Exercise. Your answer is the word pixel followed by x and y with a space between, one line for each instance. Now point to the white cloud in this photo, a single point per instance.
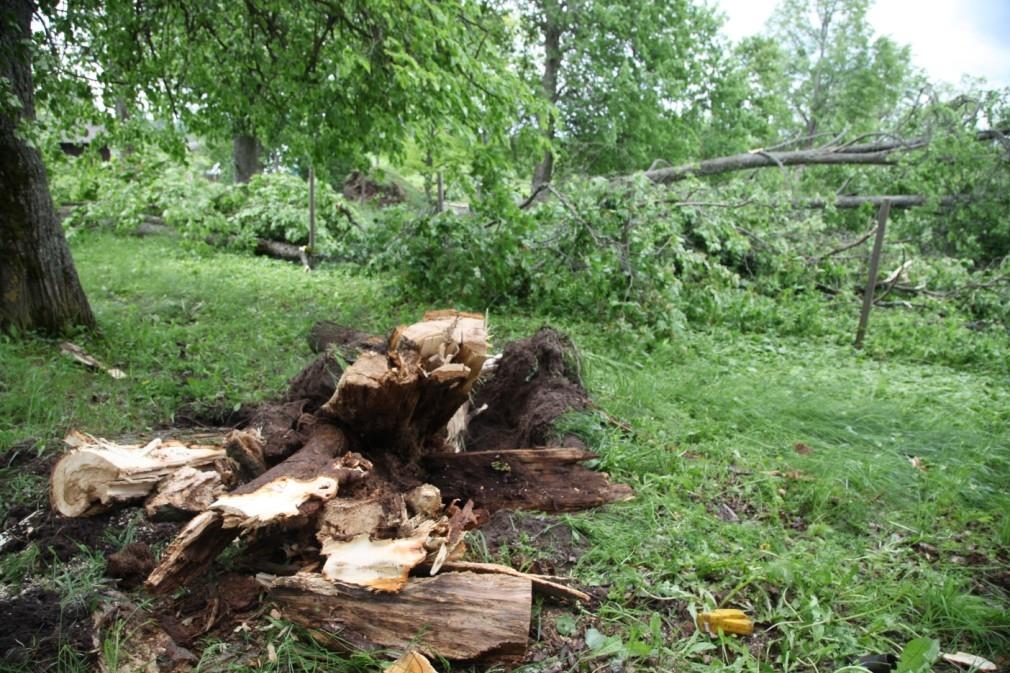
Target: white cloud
pixel 949 38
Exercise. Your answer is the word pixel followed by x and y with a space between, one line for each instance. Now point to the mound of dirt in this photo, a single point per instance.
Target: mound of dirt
pixel 348 341
pixel 63 538
pixel 315 384
pixel 359 187
pixel 535 382
pixel 36 626
pixel 131 565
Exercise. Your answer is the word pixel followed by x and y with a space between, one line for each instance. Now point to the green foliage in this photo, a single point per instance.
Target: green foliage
pixel 125 193
pixel 838 77
pixel 275 206
pixel 635 80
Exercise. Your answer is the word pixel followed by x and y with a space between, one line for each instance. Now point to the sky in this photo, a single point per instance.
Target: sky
pixel 949 38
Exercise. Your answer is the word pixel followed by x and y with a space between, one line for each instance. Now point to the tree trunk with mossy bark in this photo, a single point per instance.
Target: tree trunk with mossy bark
pixel 39 287
pixel 246 156
pixel 543 172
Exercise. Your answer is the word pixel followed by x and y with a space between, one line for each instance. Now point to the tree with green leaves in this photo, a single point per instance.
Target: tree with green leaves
pixel 628 81
pixel 320 79
pixel 838 77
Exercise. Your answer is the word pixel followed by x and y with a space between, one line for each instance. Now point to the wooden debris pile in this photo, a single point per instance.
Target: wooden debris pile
pixel 353 510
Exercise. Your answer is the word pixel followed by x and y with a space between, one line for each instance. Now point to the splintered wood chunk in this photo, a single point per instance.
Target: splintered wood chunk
pixel 77 353
pixel 424 499
pixel 448 336
pixel 191 552
pixel 377 516
pixel 274 502
pixel 311 474
pixel 187 492
pixel 382 565
pixel 403 399
pixel 550 480
pixel 98 474
pixel 459 616
pixel 246 447
pixel 372 397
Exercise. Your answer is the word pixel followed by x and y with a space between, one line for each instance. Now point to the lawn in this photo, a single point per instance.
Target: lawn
pixel 850 504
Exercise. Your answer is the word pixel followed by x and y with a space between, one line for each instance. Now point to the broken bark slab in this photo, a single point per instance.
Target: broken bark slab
pixel 550 480
pixel 187 492
pixel 459 616
pixel 98 474
pixel 287 493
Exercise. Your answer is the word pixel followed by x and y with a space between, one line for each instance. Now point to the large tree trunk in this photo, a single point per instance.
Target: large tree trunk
pixel 544 171
pixel 246 156
pixel 39 287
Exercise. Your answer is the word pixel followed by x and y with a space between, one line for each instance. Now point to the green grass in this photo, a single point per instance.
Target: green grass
pixel 828 564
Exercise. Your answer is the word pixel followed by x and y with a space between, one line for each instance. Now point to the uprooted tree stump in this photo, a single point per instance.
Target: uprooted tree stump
pixel 355 486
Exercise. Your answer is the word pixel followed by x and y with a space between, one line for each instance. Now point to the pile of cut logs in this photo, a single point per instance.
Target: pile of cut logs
pixel 357 521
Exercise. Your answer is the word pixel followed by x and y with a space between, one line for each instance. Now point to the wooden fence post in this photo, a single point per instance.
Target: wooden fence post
pixel 871 281
pixel 312 213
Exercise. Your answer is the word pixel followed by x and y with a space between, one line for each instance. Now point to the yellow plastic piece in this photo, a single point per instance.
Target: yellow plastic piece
pixel 726 620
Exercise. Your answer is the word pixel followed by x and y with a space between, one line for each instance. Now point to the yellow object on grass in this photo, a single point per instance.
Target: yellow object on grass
pixel 726 620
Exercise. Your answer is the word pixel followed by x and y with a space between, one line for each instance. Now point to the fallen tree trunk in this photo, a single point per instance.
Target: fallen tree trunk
pixel 873 153
pixel 459 616
pixel 841 202
pixel 747 160
pixel 896 201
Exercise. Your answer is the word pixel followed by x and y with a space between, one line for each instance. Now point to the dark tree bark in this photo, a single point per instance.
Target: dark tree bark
pixel 544 171
pixel 246 156
pixel 39 287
